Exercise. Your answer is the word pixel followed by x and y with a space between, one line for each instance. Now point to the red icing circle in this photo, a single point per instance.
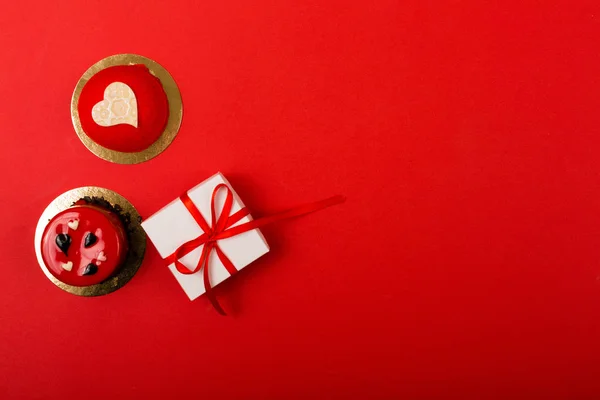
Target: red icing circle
pixel 111 239
pixel 152 103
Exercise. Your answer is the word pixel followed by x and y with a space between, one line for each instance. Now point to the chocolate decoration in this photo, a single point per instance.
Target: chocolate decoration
pixel 90 239
pixel 63 241
pixel 90 269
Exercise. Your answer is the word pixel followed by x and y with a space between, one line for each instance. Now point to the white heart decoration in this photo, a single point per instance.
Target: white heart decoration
pixel 118 107
pixel 68 266
pixel 74 224
pixel 101 256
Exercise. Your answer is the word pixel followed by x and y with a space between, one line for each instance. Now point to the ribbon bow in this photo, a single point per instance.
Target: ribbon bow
pixel 222 228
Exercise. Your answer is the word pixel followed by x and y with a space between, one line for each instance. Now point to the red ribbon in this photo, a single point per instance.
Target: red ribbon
pixel 221 228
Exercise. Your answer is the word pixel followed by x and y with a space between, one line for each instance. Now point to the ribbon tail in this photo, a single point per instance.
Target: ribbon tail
pixel 291 213
pixel 225 261
pixel 207 288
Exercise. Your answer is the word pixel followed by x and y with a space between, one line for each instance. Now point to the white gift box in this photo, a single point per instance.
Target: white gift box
pixel 173 226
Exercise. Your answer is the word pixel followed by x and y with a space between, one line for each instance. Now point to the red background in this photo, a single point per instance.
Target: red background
pixel 465 263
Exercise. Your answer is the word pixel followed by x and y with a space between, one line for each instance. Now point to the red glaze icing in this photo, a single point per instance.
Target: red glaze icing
pixel 111 239
pixel 152 103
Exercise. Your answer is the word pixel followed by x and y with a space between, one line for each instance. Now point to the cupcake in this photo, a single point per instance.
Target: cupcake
pixel 86 243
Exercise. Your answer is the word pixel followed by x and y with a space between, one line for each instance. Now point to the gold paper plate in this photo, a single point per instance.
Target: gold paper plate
pixel 137 239
pixel 173 123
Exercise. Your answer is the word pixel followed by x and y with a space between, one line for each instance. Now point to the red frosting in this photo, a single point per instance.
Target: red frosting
pixel 91 238
pixel 152 103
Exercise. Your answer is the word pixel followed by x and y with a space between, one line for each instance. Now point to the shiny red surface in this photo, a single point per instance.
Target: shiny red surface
pixel 465 263
pixel 153 108
pixel 111 240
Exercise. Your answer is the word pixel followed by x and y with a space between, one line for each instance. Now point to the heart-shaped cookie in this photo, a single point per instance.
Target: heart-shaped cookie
pixel 118 107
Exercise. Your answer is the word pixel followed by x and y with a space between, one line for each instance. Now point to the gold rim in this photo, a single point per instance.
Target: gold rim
pixel 173 123
pixel 137 240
